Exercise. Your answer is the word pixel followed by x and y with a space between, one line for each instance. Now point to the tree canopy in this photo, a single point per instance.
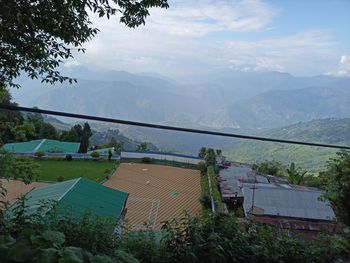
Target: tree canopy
pixel 37 36
pixel 337 185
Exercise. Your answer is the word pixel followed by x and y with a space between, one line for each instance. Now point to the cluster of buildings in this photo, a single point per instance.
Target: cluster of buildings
pixel 274 201
pixel 268 199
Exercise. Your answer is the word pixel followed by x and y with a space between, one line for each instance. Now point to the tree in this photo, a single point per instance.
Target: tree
pixel 73 135
pixel 118 147
pixel 48 131
pixel 110 154
pixel 202 152
pixel 295 176
pixel 337 185
pixel 8 119
pixel 210 157
pixel 36 36
pixel 37 119
pixel 270 167
pixel 17 167
pixel 218 152
pixel 85 136
pixel 143 146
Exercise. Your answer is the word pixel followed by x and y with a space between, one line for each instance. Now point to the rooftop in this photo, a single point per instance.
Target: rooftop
pixel 81 195
pixel 44 145
pixel 286 202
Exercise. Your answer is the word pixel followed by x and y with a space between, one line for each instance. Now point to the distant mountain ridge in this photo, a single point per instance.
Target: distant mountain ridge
pixel 277 108
pixel 328 131
pixel 227 99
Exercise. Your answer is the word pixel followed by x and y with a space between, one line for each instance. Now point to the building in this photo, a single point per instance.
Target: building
pixel 79 196
pixel 161 156
pixel 231 180
pixel 42 145
pixel 274 201
pixel 298 210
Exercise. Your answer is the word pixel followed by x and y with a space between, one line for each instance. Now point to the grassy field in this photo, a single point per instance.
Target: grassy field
pixel 50 170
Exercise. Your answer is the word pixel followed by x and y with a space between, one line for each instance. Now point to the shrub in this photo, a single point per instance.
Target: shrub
pixel 68 157
pixel 202 167
pixel 205 201
pixel 110 154
pixel 39 154
pixel 55 158
pixel 60 178
pixel 146 160
pixel 95 154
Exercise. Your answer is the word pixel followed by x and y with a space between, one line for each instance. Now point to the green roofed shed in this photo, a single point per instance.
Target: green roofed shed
pixel 79 195
pixel 44 145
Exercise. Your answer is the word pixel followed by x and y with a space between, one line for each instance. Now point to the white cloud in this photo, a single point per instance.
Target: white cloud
pixel 199 18
pixel 178 41
pixel 286 53
pixel 343 69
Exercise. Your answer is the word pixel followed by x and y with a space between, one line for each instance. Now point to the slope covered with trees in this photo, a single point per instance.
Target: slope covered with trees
pixel 332 131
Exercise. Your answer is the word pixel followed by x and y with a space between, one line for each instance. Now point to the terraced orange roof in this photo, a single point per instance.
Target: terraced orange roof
pixel 16 189
pixel 157 193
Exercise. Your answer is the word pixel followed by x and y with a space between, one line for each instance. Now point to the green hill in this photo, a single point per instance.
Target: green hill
pixel 313 159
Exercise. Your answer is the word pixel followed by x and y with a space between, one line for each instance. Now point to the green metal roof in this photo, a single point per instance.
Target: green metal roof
pixel 44 145
pixel 22 147
pixel 53 145
pixel 80 195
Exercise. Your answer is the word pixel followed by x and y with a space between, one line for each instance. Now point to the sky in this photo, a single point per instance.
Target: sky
pixel 300 37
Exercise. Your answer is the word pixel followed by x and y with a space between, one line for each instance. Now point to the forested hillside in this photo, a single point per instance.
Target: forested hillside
pixel 332 131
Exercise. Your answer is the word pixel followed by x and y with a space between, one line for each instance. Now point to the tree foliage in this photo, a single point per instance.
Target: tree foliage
pixel 270 167
pixel 17 167
pixel 208 238
pixel 48 131
pixel 37 36
pixel 8 119
pixel 143 146
pixel 86 133
pixel 295 176
pixel 337 185
pixel 202 152
pixel 80 134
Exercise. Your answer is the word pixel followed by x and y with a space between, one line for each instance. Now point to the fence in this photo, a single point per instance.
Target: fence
pixel 172 157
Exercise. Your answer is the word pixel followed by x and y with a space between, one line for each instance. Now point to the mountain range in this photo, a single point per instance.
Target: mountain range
pixel 227 99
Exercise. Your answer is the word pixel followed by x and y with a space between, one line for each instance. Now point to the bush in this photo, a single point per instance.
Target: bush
pixel 110 154
pixel 205 201
pixel 208 238
pixel 54 158
pixel 60 178
pixel 39 154
pixel 146 160
pixel 95 154
pixel 202 167
pixel 271 168
pixel 68 157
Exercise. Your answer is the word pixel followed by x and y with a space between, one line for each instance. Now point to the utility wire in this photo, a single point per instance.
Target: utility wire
pixel 166 127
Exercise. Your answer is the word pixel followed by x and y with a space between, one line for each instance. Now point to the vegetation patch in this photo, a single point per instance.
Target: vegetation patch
pixel 52 170
pixel 205 190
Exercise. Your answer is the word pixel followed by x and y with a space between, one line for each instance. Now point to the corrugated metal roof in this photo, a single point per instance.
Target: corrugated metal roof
pixel 44 145
pixel 81 195
pixel 286 202
pixel 232 178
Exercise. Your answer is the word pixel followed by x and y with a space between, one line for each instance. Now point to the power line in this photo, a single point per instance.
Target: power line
pixel 166 127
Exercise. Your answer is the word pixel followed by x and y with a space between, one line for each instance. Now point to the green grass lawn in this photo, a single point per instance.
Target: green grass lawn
pixel 50 170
